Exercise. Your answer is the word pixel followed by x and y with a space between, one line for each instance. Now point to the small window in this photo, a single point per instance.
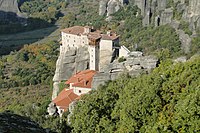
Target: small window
pixel 79 91
pixel 73 45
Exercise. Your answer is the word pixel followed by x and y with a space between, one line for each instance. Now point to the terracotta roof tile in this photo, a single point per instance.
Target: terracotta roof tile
pixel 94 34
pixel 82 79
pixel 76 30
pixel 64 98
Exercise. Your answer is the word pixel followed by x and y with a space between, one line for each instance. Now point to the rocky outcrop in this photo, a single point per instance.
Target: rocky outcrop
pixel 185 41
pixel 9 10
pixel 134 66
pixel 166 16
pixel 158 8
pixel 69 63
pixel 192 14
pixel 108 7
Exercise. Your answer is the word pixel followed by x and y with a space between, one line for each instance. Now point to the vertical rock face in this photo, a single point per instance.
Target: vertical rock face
pixel 103 7
pixel 9 9
pixel 192 14
pixel 166 16
pixel 9 6
pixel 108 7
pixel 185 41
pixel 69 63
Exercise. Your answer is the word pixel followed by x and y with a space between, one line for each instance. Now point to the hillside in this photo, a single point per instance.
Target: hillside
pixel 13 123
pixel 167 100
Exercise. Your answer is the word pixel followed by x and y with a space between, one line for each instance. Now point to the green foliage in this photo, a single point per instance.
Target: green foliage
pixel 34 64
pixel 121 59
pixel 128 23
pixel 185 27
pixel 195 48
pixel 44 9
pixel 167 100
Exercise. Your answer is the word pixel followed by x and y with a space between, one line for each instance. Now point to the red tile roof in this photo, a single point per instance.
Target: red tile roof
pixel 64 98
pixel 94 34
pixel 82 79
pixel 76 30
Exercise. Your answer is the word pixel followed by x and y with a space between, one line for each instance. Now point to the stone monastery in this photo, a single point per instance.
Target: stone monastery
pixel 99 45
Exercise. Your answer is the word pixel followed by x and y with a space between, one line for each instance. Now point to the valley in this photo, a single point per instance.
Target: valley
pixel 155 88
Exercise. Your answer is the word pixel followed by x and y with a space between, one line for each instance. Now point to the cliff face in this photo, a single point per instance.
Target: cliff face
pixel 159 8
pixel 9 10
pixel 69 63
pixel 109 7
pixel 161 12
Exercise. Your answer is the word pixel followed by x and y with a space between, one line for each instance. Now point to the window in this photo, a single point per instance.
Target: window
pixel 79 91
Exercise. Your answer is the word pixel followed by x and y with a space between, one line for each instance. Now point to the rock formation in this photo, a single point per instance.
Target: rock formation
pixel 67 64
pixel 134 66
pixel 9 10
pixel 109 7
pixel 192 14
pixel 191 10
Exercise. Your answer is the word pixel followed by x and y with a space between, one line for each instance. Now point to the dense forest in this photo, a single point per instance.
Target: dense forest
pixel 166 100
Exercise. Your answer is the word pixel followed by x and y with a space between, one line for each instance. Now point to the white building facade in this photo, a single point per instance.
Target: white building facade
pixel 78 36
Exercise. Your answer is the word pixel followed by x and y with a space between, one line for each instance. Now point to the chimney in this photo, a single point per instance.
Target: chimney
pixel 87 29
